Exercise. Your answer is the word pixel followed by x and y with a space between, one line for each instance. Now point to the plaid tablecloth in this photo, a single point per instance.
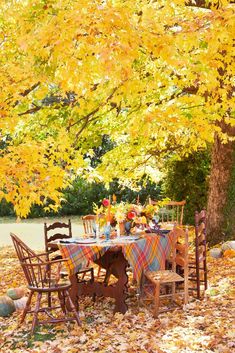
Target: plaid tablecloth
pixel 147 253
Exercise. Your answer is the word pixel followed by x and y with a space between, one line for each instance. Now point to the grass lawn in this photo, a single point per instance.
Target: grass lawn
pixel 31 231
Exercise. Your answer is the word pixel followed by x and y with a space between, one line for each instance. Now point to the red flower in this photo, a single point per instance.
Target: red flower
pixel 105 202
pixel 131 215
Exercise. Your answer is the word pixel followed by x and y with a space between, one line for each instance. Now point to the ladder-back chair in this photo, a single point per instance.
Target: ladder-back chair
pixel 56 231
pixel 198 265
pixel 154 279
pixel 43 278
pixel 62 231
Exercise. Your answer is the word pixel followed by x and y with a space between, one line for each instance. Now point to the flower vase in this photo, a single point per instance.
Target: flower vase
pixel 107 231
pixel 120 229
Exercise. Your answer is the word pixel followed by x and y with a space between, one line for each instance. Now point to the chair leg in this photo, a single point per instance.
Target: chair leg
pixel 62 301
pixel 186 291
pixel 198 284
pixel 92 281
pixel 156 300
pixel 173 292
pixel 27 307
pixel 49 299
pixel 36 310
pixel 205 275
pixel 73 309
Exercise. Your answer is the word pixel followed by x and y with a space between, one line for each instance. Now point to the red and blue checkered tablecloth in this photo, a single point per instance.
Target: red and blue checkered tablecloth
pixel 145 254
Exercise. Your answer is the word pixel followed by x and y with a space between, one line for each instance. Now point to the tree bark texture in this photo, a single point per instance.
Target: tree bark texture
pixel 222 167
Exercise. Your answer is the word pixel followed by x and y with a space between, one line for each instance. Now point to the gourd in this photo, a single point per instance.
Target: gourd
pixel 229 253
pixel 216 253
pixel 15 293
pixel 228 245
pixel 7 306
pixel 20 304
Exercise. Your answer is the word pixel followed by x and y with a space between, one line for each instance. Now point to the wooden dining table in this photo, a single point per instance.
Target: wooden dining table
pixel 141 253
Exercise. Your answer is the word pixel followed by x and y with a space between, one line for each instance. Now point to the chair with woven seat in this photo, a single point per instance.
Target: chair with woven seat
pixel 198 264
pixel 63 231
pixel 154 279
pixel 43 278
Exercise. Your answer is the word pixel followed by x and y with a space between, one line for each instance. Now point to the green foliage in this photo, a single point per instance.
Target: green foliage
pixel 6 209
pixel 187 179
pixel 81 195
pixel 79 198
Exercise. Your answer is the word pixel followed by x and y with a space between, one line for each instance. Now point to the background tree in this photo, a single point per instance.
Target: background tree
pixel 155 76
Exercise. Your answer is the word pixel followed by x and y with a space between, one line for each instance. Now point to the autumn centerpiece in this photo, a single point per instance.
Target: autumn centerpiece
pixel 124 216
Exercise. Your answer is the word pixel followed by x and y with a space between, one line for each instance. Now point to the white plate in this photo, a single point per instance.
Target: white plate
pixel 78 241
pixel 126 238
pixel 86 241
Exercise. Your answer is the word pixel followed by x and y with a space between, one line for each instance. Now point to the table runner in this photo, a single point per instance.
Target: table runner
pixel 145 254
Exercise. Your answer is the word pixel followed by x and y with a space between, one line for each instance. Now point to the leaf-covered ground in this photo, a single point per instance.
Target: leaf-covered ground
pixel 204 326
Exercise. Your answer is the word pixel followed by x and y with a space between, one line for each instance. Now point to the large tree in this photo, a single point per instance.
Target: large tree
pixel 158 77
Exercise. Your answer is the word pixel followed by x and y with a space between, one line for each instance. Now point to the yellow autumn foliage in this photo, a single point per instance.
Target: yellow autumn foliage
pixel 157 77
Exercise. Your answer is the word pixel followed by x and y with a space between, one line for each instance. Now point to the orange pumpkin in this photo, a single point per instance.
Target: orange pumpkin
pixel 229 253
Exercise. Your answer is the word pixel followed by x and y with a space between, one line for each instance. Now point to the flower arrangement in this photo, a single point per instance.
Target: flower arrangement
pixel 124 212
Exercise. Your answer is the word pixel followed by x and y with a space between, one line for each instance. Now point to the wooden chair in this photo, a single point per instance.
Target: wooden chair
pixel 154 279
pixel 172 212
pixel 43 278
pixel 61 231
pixel 56 231
pixel 89 223
pixel 198 265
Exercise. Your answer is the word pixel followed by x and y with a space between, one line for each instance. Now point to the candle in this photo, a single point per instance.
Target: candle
pixel 138 199
pixel 109 207
pixel 150 202
pixel 114 198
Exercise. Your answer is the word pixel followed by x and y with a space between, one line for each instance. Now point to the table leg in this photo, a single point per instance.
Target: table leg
pixel 115 264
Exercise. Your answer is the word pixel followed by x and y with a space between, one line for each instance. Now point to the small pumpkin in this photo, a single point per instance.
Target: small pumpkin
pixel 228 245
pixel 7 306
pixel 15 293
pixel 216 253
pixel 229 253
pixel 20 304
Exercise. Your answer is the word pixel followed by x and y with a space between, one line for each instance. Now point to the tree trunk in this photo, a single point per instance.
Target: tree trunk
pixel 221 171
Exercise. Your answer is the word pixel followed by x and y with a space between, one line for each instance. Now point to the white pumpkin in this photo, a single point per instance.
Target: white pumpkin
pixel 228 245
pixel 20 304
pixel 216 253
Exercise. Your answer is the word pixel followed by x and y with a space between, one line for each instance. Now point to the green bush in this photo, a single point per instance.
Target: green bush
pixel 187 179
